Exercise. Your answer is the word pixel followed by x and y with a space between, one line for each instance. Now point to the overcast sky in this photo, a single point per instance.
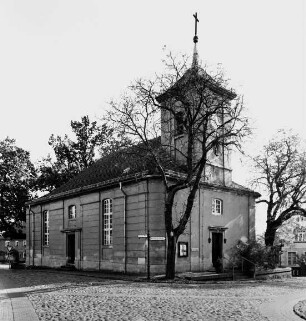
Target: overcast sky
pixel 62 59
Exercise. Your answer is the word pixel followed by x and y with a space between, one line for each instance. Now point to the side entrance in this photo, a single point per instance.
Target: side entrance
pixel 217 251
pixel 70 248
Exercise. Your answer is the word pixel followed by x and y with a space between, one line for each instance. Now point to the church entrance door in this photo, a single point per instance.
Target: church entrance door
pixel 71 248
pixel 217 251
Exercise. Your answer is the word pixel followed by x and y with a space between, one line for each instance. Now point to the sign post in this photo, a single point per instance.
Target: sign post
pixel 149 239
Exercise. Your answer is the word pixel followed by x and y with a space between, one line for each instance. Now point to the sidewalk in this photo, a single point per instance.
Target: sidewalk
pixel 282 308
pixel 14 305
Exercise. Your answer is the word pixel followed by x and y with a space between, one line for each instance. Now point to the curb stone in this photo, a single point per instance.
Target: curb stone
pixel 300 309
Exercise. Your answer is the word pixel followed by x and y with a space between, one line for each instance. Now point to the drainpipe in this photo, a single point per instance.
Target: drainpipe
pixel 33 234
pixel 124 227
pixel 248 217
pixel 100 229
pixel 200 229
pixel 148 232
pixel 42 236
pixel 29 243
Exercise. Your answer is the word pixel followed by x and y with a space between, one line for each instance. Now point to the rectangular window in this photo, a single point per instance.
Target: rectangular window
pixel 182 249
pixel 291 258
pixel 46 227
pixel 71 212
pixel 24 243
pixel 179 123
pixel 217 207
pixel 16 243
pixel 107 222
pixel 7 243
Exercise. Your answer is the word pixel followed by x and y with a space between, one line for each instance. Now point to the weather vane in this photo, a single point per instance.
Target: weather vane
pixel 196 20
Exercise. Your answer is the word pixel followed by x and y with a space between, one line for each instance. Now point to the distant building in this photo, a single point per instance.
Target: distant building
pixel 16 244
pixel 101 218
pixel 294 241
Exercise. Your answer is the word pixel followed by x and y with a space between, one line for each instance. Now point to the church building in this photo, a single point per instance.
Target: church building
pixel 110 217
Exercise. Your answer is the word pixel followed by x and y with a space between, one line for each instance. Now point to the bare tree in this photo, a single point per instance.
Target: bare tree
pixel 281 167
pixel 197 119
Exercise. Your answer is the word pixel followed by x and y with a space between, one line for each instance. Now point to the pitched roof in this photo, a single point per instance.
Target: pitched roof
pixel 192 75
pixel 120 165
pixel 130 163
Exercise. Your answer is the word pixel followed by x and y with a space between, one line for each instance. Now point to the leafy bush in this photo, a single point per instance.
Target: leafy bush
pixel 2 256
pixel 262 256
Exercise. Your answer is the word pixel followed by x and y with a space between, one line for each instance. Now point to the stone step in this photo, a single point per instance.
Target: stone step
pixel 68 267
pixel 212 276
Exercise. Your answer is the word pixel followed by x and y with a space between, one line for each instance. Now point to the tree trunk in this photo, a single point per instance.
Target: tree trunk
pixel 270 235
pixel 171 254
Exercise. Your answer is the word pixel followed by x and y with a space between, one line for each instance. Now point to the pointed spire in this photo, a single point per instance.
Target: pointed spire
pixel 195 59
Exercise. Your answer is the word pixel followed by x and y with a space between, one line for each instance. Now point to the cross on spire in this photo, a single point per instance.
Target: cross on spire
pixel 196 20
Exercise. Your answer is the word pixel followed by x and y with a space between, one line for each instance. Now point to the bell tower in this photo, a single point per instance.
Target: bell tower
pixel 195 88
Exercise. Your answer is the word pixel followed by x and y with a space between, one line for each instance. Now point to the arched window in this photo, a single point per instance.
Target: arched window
pixel 71 212
pixel 217 206
pixel 107 221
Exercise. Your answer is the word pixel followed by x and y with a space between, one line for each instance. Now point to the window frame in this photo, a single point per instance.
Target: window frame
pixel 46 228
pixel 301 236
pixel 290 261
pixel 107 222
pixel 214 206
pixel 71 215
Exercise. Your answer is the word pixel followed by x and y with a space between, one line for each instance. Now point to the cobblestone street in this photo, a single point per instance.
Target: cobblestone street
pixel 64 296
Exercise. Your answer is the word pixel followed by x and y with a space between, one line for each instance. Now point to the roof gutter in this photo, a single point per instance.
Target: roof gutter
pixel 129 178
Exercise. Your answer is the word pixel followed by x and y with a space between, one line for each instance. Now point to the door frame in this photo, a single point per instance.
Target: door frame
pixel 69 237
pixel 217 250
pixel 217 230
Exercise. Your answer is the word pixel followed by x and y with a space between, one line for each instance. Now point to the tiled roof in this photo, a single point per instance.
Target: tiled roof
pixel 241 187
pixel 121 165
pixel 125 164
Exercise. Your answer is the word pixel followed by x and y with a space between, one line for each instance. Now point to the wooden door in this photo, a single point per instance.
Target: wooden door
pixel 71 248
pixel 217 251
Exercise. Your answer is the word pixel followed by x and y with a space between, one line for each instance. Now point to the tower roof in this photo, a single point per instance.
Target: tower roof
pixel 198 74
pixel 192 75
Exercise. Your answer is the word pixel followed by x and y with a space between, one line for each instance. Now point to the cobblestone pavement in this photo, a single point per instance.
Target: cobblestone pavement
pixel 62 296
